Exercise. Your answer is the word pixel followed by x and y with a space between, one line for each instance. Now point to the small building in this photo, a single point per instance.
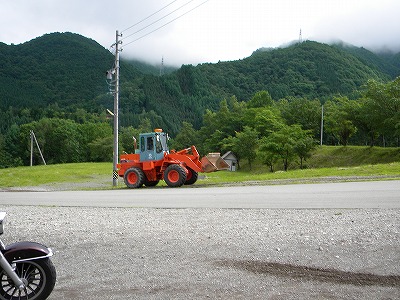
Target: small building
pixel 231 160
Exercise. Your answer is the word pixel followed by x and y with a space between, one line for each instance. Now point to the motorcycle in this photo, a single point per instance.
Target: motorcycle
pixel 26 271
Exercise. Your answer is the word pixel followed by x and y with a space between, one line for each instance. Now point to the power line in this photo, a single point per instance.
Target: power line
pixel 158 28
pixel 149 16
pixel 157 20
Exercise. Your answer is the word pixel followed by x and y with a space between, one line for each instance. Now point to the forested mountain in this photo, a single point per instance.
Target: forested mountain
pixel 267 105
pixel 310 70
pixel 59 74
pixel 385 61
pixel 63 68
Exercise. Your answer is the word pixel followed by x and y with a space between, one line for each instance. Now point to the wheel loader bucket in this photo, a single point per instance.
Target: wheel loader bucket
pixel 213 162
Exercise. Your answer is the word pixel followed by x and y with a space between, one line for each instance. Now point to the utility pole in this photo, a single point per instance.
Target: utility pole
pixel 33 138
pixel 31 134
pixel 322 123
pixel 116 107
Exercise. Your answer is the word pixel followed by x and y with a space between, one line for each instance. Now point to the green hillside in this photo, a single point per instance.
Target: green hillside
pixel 310 70
pixel 63 74
pixel 51 69
pixel 386 62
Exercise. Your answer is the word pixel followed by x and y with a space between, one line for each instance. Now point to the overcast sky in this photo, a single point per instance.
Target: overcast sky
pixel 200 31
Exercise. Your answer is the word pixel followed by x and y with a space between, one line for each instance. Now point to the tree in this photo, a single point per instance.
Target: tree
pixel 268 153
pixel 243 144
pixel 260 99
pixel 219 125
pixel 266 120
pixel 10 148
pixel 63 141
pixel 101 149
pixel 302 111
pixel 338 119
pixel 286 143
pixel 90 132
pixel 60 140
pixel 186 137
pixel 214 143
pixel 127 136
pixel 304 145
pixel 382 105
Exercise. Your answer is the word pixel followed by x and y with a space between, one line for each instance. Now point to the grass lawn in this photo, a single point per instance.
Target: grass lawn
pixel 326 161
pixel 62 173
pixel 387 171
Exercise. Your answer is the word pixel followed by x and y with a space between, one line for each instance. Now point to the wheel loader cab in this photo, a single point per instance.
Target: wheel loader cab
pixel 153 145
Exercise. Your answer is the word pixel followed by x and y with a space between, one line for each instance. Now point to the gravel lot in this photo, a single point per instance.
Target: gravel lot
pixel 141 253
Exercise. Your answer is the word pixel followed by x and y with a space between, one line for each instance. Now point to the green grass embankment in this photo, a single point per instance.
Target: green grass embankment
pixel 351 156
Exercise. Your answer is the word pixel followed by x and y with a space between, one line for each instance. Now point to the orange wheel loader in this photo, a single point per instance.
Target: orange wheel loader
pixel 153 161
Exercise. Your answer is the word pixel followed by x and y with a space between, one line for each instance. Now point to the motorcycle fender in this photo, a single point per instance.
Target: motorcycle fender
pixel 24 251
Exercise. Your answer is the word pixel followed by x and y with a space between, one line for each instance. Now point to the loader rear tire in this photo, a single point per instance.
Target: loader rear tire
pixel 175 175
pixel 134 178
pixel 191 177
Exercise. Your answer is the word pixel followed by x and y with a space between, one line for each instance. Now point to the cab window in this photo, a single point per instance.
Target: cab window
pixel 159 147
pixel 150 144
pixel 142 144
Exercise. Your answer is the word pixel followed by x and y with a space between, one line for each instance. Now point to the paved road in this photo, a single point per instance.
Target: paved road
pixel 378 194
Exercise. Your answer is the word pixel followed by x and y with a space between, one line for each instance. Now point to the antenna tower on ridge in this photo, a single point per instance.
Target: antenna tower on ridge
pixel 300 37
pixel 162 67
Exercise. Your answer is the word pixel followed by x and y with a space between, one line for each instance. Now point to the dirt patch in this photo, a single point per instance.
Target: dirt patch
pixel 312 274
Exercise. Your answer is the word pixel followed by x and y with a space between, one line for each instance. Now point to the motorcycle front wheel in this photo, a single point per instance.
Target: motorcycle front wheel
pixel 39 277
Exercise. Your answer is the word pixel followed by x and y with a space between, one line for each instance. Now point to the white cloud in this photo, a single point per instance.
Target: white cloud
pixel 216 30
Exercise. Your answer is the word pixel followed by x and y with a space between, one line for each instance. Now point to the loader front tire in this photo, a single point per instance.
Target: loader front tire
pixel 191 177
pixel 134 178
pixel 175 175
